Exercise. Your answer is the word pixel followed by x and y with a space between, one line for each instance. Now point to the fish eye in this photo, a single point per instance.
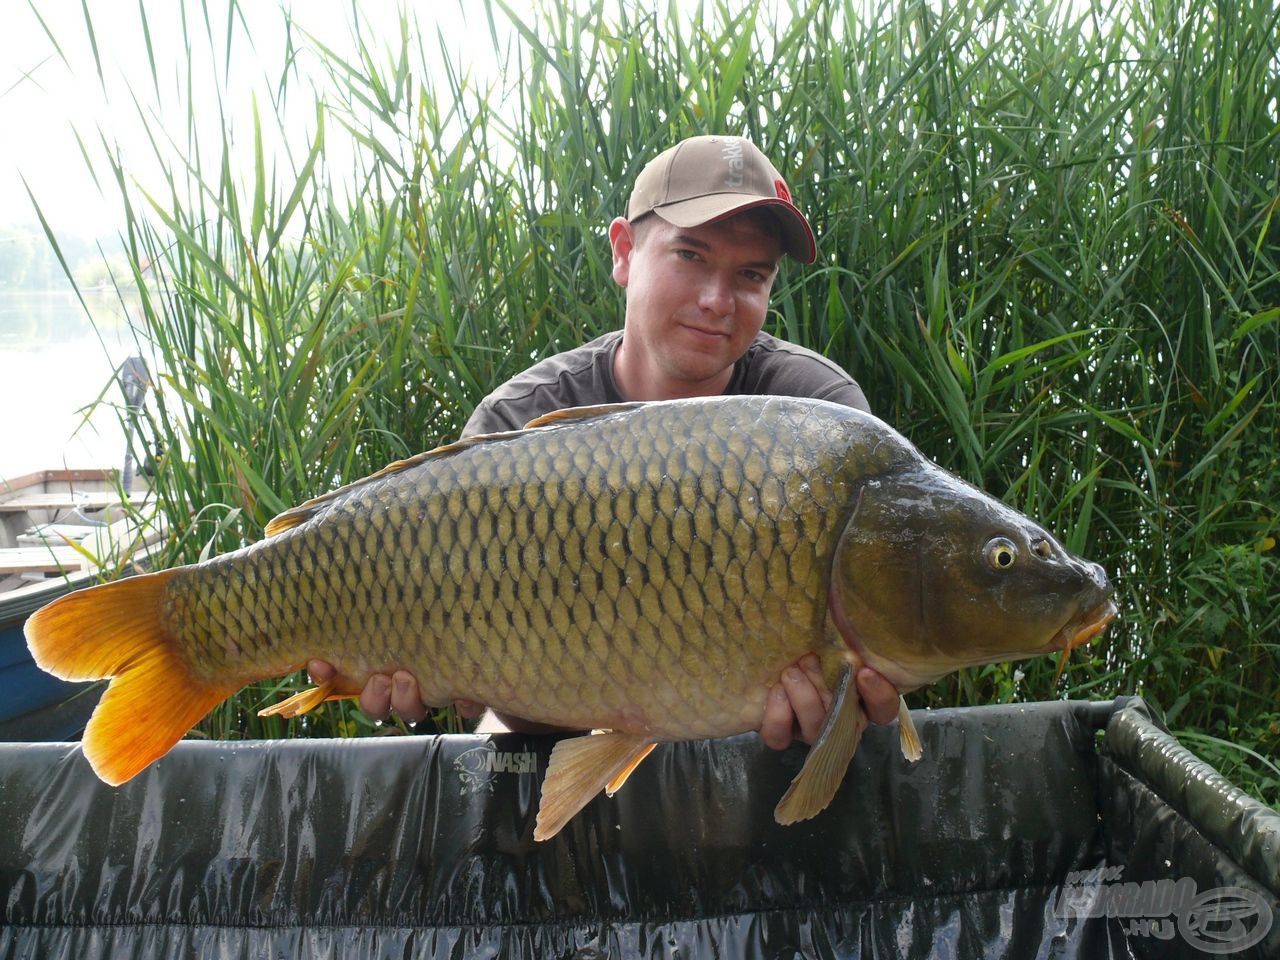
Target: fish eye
pixel 1001 553
pixel 1041 549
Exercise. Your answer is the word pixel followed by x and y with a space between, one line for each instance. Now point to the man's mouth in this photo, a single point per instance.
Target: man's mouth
pixel 706 332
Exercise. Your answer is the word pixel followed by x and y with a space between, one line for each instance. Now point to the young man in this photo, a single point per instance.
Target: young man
pixel 707 224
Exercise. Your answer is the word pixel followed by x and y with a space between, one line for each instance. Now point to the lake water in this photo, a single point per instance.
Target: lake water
pixel 55 362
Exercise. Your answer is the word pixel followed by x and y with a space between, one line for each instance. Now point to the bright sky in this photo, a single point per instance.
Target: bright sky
pixel 47 93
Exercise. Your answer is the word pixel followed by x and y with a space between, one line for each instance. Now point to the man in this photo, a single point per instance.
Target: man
pixel 707 224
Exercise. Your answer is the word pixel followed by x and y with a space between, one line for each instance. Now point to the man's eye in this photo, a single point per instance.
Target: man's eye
pixel 686 255
pixel 753 276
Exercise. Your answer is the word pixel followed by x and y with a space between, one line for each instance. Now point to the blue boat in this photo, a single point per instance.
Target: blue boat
pixel 60 530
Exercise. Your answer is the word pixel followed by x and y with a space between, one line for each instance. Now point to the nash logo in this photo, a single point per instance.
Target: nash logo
pixel 477 766
pixel 732 153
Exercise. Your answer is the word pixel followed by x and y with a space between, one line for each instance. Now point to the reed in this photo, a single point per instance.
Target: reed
pixel 1046 251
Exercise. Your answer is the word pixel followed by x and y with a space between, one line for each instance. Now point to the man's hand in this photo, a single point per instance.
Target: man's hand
pixel 398 692
pixel 799 704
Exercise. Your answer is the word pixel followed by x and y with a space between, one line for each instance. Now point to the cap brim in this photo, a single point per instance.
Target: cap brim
pixel 797 236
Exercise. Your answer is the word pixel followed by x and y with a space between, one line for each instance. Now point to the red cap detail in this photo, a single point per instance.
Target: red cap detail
pixel 782 191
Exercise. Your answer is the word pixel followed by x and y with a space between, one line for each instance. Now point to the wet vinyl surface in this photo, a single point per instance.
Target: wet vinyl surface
pixel 422 846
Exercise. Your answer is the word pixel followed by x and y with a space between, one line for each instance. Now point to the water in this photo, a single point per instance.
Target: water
pixel 53 365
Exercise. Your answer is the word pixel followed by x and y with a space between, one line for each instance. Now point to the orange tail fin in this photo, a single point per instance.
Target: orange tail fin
pixel 115 630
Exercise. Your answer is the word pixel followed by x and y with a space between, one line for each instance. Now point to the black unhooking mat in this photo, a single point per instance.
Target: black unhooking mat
pixel 1024 832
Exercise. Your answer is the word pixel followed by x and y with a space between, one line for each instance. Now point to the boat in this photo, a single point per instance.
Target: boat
pixel 61 530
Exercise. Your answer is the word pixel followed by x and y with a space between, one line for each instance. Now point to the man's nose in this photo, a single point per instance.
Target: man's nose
pixel 717 295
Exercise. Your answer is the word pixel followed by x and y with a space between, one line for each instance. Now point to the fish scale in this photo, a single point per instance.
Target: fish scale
pixel 646 568
pixel 604 601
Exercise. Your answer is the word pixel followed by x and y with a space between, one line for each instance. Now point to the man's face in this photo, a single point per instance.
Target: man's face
pixel 696 298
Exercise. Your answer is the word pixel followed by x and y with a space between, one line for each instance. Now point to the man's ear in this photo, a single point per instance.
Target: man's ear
pixel 623 240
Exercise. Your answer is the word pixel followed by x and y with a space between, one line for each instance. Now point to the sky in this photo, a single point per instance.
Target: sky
pixel 50 86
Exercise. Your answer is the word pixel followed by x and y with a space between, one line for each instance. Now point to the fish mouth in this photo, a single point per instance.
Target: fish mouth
pixel 1080 630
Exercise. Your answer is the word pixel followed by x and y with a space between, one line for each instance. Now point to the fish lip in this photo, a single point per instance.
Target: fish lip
pixel 1084 627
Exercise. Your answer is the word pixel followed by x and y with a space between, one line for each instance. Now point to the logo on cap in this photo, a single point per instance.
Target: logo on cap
pixel 781 190
pixel 732 153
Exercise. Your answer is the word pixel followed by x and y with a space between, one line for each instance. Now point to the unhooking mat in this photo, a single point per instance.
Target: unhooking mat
pixel 1024 832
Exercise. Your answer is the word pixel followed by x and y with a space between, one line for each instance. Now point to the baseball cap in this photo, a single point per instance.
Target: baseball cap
pixel 704 179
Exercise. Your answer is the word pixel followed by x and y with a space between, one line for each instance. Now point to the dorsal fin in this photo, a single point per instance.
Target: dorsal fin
pixel 300 514
pixel 581 413
pixel 295 516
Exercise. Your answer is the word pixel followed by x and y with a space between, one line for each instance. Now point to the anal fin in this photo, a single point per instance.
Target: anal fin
pixel 825 766
pixel 580 768
pixel 303 702
pixel 908 736
pixel 614 785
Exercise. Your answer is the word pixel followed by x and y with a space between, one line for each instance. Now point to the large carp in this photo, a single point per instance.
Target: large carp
pixel 647 569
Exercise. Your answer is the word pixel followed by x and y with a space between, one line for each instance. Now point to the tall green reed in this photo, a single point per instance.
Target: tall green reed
pixel 1046 251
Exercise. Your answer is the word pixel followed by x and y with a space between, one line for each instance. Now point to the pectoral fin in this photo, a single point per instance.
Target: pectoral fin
pixel 824 768
pixel 907 735
pixel 579 769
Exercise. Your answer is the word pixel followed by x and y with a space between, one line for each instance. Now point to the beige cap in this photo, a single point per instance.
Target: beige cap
pixel 704 179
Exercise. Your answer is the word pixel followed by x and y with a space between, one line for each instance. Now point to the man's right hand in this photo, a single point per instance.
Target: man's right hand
pixel 398 692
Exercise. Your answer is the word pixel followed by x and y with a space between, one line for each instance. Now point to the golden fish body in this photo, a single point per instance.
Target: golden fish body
pixel 651 570
pixel 645 568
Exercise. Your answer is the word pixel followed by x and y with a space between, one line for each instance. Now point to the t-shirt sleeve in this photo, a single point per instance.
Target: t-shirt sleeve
pixel 574 378
pixel 774 366
pixel 489 417
pixel 792 371
pixel 847 393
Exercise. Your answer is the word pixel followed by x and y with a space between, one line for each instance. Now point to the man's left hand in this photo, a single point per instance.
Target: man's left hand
pixel 798 705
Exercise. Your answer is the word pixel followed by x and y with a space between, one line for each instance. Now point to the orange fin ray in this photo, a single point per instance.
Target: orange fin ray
pixel 568 414
pixel 116 630
pixel 303 702
pixel 580 768
pixel 145 711
pixel 1062 665
pixel 908 736
pixel 614 785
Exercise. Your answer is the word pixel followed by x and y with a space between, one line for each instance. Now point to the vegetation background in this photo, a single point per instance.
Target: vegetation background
pixel 1047 252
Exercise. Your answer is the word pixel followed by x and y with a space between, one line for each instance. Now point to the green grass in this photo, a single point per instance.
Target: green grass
pixel 1046 245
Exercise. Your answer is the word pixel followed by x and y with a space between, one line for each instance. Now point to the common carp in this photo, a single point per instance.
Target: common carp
pixel 644 569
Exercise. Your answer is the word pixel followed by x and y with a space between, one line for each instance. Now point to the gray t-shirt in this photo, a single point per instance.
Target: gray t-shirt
pixel 584 377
